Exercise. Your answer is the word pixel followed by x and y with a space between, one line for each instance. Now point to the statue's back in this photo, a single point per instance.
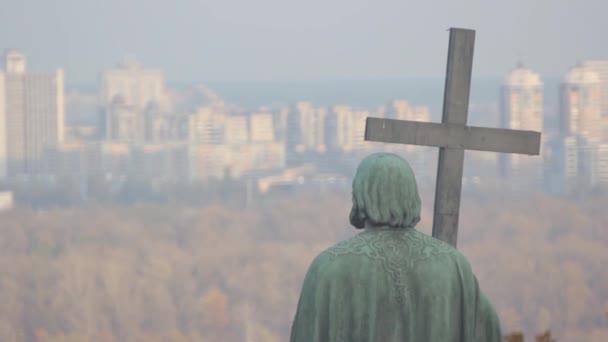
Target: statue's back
pixel 392 285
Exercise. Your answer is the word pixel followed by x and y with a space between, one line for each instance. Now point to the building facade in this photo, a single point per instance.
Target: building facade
pixel 125 94
pixel 522 108
pixel 31 116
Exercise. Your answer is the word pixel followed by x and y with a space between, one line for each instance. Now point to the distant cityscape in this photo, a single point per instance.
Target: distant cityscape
pixel 135 127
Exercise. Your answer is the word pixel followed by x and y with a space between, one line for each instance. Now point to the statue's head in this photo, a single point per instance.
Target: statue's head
pixel 385 193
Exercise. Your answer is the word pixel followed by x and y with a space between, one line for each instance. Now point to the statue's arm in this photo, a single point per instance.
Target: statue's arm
pixel 488 323
pixel 306 325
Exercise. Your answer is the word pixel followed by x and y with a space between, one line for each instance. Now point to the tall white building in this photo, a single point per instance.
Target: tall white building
pixel 236 129
pixel 31 116
pixel 403 110
pixel 421 158
pixel 580 112
pixel 261 127
pixel 581 128
pixel 600 68
pixel 350 129
pixel 126 92
pixel 307 125
pixel 207 126
pixel 580 161
pixel 165 128
pixel 522 109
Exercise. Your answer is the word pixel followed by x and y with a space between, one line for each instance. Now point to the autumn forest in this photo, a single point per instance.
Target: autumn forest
pixel 220 270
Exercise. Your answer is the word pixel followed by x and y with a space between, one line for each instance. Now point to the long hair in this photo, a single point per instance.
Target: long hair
pixel 385 193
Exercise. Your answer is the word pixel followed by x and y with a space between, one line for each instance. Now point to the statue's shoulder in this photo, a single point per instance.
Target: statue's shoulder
pixel 411 246
pixel 441 247
pixel 336 256
pixel 353 245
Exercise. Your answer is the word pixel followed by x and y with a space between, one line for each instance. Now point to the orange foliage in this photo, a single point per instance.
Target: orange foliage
pixel 214 307
pixel 169 273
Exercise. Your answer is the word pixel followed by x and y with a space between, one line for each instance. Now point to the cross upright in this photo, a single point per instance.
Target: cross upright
pixel 452 135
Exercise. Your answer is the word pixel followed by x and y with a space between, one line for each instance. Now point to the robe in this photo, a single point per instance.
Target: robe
pixel 393 285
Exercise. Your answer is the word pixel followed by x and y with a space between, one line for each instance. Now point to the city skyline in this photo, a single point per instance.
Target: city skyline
pixel 91 81
pixel 143 129
pixel 250 95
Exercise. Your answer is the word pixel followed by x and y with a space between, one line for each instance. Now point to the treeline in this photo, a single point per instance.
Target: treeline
pixel 175 272
pixel 74 192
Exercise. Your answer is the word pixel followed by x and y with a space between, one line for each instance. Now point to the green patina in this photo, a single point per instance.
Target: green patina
pixel 385 193
pixel 391 282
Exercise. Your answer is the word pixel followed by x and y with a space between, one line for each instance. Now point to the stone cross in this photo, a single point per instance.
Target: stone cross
pixel 452 135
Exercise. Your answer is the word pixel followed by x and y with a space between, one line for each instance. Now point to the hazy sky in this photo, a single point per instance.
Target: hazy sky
pixel 227 40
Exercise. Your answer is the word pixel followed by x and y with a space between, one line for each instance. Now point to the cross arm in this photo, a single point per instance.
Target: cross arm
pixel 452 136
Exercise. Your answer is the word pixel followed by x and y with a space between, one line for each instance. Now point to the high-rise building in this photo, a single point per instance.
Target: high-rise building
pixel 580 112
pixel 581 128
pixel 236 129
pixel 206 126
pixel 420 157
pixel 350 129
pixel 522 109
pixel 126 92
pixel 580 164
pixel 522 100
pixel 307 128
pixel 261 127
pixel 165 127
pixel 600 68
pixel 31 115
pixel 403 110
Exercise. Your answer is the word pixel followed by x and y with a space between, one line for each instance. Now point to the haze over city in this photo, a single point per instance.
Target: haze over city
pixel 166 166
pixel 301 40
